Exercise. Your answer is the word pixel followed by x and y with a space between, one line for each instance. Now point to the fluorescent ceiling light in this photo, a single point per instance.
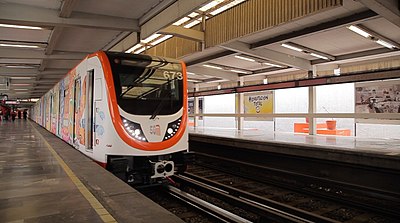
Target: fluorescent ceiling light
pixel 140 50
pixel 265 81
pixel 191 24
pixel 150 38
pixel 245 58
pixel 162 39
pixel 19 66
pixel 20 84
pixel 18 45
pixel 34 99
pixel 359 31
pixel 239 71
pixel 190 73
pixel 21 78
pixel 20 27
pixel 385 44
pixel 210 5
pixel 291 47
pixel 271 64
pixel 211 66
pixel 181 21
pixel 319 56
pixel 135 47
pixel 227 6
pixel 219 87
pixel 21 89
pixel 193 14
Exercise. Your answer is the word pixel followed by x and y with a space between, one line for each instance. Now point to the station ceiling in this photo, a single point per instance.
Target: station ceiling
pixel 71 29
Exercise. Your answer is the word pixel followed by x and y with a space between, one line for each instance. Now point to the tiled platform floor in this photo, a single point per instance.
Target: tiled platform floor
pixel 33 185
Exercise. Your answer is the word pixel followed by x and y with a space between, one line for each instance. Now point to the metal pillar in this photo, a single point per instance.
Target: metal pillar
pixel 196 106
pixel 241 105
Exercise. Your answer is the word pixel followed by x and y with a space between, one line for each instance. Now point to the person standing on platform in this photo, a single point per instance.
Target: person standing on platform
pixel 25 113
pixel 13 114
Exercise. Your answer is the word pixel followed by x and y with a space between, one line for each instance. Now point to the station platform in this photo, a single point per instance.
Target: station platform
pixel 43 179
pixel 380 153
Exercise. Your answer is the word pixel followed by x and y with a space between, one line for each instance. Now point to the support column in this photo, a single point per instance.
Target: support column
pixel 241 105
pixel 196 106
pixel 312 130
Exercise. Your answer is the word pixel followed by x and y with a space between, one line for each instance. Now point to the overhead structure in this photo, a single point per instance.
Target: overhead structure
pixel 222 41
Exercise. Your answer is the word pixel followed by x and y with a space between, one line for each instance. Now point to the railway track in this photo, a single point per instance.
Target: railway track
pixel 332 200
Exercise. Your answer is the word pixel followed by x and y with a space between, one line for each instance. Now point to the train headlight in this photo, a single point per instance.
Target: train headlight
pixel 172 128
pixel 134 130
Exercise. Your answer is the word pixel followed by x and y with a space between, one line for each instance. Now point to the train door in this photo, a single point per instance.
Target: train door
pixel 75 121
pixel 89 111
pixel 60 114
pixel 97 116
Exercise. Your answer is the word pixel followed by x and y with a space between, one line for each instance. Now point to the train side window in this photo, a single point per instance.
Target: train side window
pixel 98 89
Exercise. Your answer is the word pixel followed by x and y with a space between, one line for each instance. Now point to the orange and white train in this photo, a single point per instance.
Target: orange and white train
pixel 127 112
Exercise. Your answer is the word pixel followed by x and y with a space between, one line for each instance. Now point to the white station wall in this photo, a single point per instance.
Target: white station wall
pixel 219 104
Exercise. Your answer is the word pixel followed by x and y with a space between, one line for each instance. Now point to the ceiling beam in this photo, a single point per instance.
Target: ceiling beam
pixel 155 10
pixel 67 7
pixel 388 9
pixel 184 33
pixel 270 55
pixel 29 15
pixel 126 43
pixel 12 53
pixel 216 73
pixel 169 15
pixel 322 27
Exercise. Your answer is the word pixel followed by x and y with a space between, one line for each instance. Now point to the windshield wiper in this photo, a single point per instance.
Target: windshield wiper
pixel 129 87
pixel 161 104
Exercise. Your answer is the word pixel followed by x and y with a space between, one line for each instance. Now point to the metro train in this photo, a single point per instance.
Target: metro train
pixel 126 112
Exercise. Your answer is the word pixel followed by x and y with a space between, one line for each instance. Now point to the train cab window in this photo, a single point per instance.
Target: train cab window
pixel 144 85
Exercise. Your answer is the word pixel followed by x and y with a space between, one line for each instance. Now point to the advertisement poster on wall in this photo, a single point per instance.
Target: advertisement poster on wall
pixel 378 97
pixel 191 106
pixel 259 103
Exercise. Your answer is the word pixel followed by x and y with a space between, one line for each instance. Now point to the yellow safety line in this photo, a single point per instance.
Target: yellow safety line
pixel 96 205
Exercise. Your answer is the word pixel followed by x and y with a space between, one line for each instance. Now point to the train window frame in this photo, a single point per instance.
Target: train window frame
pixel 98 89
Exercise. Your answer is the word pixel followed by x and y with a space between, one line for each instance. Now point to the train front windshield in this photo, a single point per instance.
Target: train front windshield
pixel 147 86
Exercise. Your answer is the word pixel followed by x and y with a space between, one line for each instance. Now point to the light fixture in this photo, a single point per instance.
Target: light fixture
pixel 135 47
pixel 359 31
pixel 191 24
pixel 20 84
pixel 265 81
pixel 140 50
pixel 385 44
pixel 272 65
pixel 376 37
pixel 190 73
pixel 20 78
pixel 162 39
pixel 210 5
pixel 245 58
pixel 219 87
pixel 150 38
pixel 21 89
pixel 19 66
pixel 212 66
pixel 181 21
pixel 20 27
pixel 227 6
pixel 18 45
pixel 307 50
pixel 193 14
pixel 239 71
pixel 319 56
pixel 290 46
